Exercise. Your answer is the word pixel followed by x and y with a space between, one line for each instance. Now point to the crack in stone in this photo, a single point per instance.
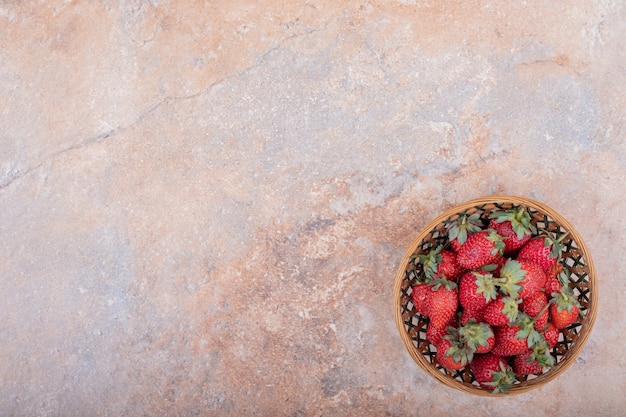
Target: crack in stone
pixel 15 175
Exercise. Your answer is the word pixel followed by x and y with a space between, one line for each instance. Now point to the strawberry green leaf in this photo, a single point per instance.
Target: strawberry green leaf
pixel 565 300
pixel 489 267
pixel 437 283
pixel 519 218
pixel 511 307
pixel 475 334
pixel 563 278
pixel 502 380
pixel 511 275
pixel 431 261
pixel 486 286
pixel 464 226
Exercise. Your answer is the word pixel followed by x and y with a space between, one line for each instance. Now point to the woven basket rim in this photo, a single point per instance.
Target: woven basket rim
pixel 587 322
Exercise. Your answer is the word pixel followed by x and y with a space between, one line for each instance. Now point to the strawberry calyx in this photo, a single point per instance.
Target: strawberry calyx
pixel 541 354
pixel 488 267
pixel 498 243
pixel 519 218
pixel 527 329
pixel 463 227
pixel 565 300
pixel 486 285
pixel 510 307
pixel 431 261
pixel 563 278
pixel 458 350
pixel 502 379
pixel 474 335
pixel 555 244
pixel 511 275
pixel 442 282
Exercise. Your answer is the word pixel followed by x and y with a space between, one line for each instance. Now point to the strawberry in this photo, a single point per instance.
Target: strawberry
pixel 419 295
pixel 501 311
pixel 487 347
pixel 442 302
pixel 507 342
pixel 537 356
pixel 514 226
pixel 476 289
pixel 455 245
pixel 480 249
pixel 534 278
pixel 542 250
pixel 451 355
pixel 535 306
pixel 564 308
pixel 555 281
pixel 440 263
pixel 460 229
pixel 492 372
pixel 434 334
pixel 522 364
pixel 449 267
pixel 467 315
pixel 551 335
pixel 554 270
pixel 552 286
pixel 477 336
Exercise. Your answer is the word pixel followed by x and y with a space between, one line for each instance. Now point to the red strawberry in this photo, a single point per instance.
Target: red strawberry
pixel 551 335
pixel 535 306
pixel 492 372
pixel 563 318
pixel 480 249
pixel 553 285
pixel 564 308
pixel 418 296
pixel 464 226
pixel 524 364
pixel 440 263
pixel 514 226
pixel 448 355
pixel 556 279
pixel 442 303
pixel 501 311
pixel 534 280
pixel 467 315
pixel 455 245
pixel 476 289
pixel 449 267
pixel 477 336
pixel 542 250
pixel 434 334
pixel 507 343
pixel 486 348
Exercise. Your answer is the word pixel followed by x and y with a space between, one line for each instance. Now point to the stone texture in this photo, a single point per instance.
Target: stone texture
pixel 203 205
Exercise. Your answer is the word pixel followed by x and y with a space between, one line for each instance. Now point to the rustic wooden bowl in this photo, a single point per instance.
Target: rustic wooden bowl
pixel 575 259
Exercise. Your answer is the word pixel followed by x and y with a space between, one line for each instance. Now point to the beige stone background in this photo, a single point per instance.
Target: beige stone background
pixel 203 204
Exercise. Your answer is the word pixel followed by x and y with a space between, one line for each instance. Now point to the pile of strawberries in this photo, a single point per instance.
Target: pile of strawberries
pixel 496 297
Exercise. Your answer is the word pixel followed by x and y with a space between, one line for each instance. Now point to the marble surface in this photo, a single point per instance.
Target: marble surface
pixel 204 204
